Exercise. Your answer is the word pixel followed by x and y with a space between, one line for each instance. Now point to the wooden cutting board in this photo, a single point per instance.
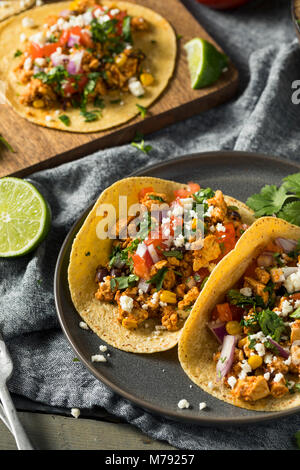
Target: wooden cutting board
pixel 37 148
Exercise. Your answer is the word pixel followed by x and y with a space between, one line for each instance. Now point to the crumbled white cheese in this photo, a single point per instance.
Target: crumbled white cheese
pixel 292 283
pixel 28 22
pixel 183 404
pixel 212 228
pixel 114 11
pixel 103 348
pixel 246 291
pixel 288 361
pixel 267 376
pixel 286 308
pixel 23 37
pixel 145 306
pixel 231 381
pixel 126 303
pixel 98 358
pixel 177 210
pixel 38 39
pixel 220 228
pixel 87 17
pixel 135 87
pixel 75 412
pixel 179 241
pixel 103 19
pixel 209 211
pixel 40 61
pixel 260 349
pixel 246 368
pixel 154 298
pixel 202 405
pixel 82 324
pixel 27 64
pixel 278 377
pixel 163 304
pixel 210 385
pixel 268 359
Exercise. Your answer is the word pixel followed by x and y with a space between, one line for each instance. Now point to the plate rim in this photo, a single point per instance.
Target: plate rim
pixel 143 404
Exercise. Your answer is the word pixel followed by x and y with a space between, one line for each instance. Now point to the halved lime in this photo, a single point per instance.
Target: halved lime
pixel 205 62
pixel 24 217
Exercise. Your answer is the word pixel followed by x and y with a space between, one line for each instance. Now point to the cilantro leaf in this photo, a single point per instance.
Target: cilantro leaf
pixel 65 119
pixel 158 279
pixel 139 143
pixel 271 324
pixel 296 313
pixel 269 201
pixel 126 29
pixel 292 183
pixel 291 212
pixel 18 53
pixel 6 144
pixel 142 110
pixel 123 282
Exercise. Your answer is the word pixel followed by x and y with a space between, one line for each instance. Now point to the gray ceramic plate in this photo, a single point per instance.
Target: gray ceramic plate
pixel 156 382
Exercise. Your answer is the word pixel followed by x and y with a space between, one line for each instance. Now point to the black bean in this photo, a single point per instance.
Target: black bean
pixel 101 273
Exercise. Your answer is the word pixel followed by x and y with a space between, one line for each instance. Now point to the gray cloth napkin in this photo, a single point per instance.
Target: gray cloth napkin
pixel 260 38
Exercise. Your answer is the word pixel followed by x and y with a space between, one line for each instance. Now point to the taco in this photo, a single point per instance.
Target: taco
pixel 241 343
pixel 136 289
pixel 85 66
pixel 9 8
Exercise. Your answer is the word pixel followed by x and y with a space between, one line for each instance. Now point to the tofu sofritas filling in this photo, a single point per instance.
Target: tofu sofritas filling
pixel 258 325
pixel 160 273
pixel 80 56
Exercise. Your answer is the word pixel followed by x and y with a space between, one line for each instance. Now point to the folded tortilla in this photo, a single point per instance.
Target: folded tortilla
pixel 102 316
pixel 9 8
pixel 197 344
pixel 158 44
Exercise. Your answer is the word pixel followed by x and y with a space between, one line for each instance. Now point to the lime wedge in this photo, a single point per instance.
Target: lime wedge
pixel 24 217
pixel 205 62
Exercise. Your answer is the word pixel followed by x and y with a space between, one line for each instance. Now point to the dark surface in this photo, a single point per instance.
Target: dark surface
pixel 156 382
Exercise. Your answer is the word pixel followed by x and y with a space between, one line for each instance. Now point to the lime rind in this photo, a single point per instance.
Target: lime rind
pixel 25 217
pixel 205 62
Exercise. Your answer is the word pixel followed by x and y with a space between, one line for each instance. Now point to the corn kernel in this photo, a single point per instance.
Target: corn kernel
pixel 120 59
pixel 74 5
pixel 255 361
pixel 147 79
pixel 38 104
pixel 168 297
pixel 233 328
pixel 194 224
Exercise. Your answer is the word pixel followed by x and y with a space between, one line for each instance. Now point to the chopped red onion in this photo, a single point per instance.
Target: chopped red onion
pixel 282 352
pixel 74 64
pixel 153 254
pixel 218 329
pixel 144 285
pixel 59 59
pixel 227 355
pixel 141 250
pixel 73 39
pixel 265 260
pixel 286 244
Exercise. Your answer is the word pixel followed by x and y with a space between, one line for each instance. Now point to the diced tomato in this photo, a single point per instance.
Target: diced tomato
pixel 194 187
pixel 250 271
pixel 120 18
pixel 226 239
pixel 85 39
pixel 200 275
pixel 74 86
pixel 183 193
pixel 224 312
pixel 144 191
pixel 175 222
pixel 237 312
pixel 141 266
pixel 36 51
